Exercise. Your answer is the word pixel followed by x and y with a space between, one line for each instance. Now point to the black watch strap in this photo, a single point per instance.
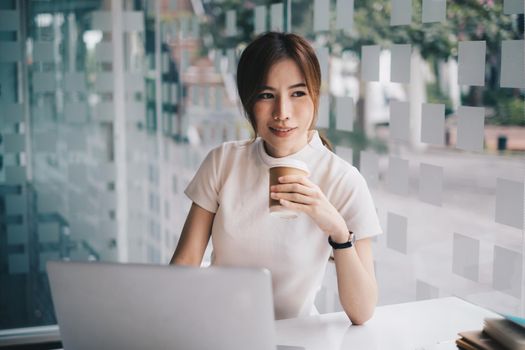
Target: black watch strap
pixel 349 244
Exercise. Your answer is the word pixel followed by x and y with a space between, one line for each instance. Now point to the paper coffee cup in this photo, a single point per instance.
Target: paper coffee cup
pixel 281 168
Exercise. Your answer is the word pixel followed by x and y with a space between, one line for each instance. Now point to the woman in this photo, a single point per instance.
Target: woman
pixel 278 79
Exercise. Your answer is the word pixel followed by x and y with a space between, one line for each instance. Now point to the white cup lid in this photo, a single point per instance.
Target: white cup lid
pixel 290 163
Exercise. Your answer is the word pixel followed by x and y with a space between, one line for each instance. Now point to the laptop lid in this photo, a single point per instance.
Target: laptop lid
pixel 133 306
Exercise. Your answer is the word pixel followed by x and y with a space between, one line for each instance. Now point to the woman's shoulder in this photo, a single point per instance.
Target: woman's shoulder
pixel 230 147
pixel 231 151
pixel 339 169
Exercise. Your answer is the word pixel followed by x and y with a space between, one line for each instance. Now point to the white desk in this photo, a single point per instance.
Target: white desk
pixel 423 325
pixel 429 325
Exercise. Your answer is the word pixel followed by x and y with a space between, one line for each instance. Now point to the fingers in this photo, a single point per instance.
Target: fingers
pixel 293 197
pixel 301 179
pixel 296 206
pixel 293 187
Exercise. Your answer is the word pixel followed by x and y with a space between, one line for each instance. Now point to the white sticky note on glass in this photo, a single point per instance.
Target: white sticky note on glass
pixel 48 232
pixel 134 82
pixel 512 64
pixel 165 62
pixel 9 20
pixel 17 234
pixel 219 95
pixel 185 27
pixel 471 63
pixel 43 111
pixel 75 82
pixel 195 94
pixel 434 11
pixel 507 271
pixel 401 12
pixel 232 64
pixel 78 173
pixel 174 99
pixel 260 14
pixel 399 120
pixel 277 15
pixel 321 15
pixel 471 124
pixel 431 184
pixel 231 23
pixel 44 82
pixel 133 21
pixel 76 140
pixel 18 264
pixel 166 93
pixel 104 111
pixel 43 51
pixel 510 202
pixel 45 141
pixel 323 119
pixel 400 63
pixel 14 112
pixel 14 143
pixel 15 204
pixel 75 112
pixel 426 291
pixel 344 15
pixel 323 55
pixel 370 62
pixel 344 113
pixel 185 60
pixel 195 27
pixel 101 21
pixel 433 123
pixel 513 6
pixel 206 96
pixel 396 233
pixel 465 257
pixel 397 176
pixel 10 52
pixel 106 171
pixel 217 59
pixel 104 51
pixel 369 167
pixel 344 152
pixel 104 82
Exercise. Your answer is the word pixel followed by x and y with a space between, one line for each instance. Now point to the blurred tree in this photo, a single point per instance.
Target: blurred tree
pixel 466 20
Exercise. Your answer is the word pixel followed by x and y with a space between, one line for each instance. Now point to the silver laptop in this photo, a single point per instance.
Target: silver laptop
pixel 133 306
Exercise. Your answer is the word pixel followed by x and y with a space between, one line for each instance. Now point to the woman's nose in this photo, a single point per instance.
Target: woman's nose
pixel 281 109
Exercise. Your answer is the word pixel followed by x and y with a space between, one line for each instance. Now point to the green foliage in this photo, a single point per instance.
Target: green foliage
pixel 466 20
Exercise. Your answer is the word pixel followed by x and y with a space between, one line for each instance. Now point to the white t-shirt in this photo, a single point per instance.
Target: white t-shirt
pixel 233 183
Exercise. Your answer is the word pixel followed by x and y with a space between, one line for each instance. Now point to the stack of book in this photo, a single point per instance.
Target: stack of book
pixel 506 333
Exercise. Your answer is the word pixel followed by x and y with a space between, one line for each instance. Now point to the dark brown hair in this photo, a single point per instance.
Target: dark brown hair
pixel 265 51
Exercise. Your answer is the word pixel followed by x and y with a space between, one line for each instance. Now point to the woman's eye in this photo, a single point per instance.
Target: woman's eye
pixel 298 93
pixel 265 96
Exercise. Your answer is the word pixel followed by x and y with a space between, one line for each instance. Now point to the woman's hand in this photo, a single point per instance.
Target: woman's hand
pixel 299 193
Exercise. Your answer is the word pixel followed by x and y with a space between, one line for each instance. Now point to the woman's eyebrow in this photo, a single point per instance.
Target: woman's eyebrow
pixel 265 87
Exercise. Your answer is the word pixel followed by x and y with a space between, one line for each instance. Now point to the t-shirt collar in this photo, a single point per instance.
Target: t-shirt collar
pixel 303 154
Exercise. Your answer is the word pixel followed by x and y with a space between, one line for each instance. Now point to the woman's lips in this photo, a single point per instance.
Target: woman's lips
pixel 282 132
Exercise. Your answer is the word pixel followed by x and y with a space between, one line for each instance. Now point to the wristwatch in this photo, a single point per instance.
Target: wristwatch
pixel 349 244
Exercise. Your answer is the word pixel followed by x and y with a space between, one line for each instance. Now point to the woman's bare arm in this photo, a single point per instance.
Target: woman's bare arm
pixel 194 237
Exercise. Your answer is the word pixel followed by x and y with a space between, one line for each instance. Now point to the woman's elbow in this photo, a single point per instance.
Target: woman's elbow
pixel 360 319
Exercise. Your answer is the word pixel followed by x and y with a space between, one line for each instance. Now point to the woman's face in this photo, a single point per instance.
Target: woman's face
pixel 284 110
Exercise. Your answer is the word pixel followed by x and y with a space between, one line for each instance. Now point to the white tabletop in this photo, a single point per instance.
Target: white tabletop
pixel 422 325
pixel 429 324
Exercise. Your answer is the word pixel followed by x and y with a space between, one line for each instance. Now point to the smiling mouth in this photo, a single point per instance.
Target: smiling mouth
pixel 282 131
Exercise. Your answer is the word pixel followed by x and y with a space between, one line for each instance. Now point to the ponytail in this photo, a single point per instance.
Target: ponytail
pixel 325 141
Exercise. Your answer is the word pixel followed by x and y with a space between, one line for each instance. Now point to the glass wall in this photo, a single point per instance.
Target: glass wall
pixel 107 108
